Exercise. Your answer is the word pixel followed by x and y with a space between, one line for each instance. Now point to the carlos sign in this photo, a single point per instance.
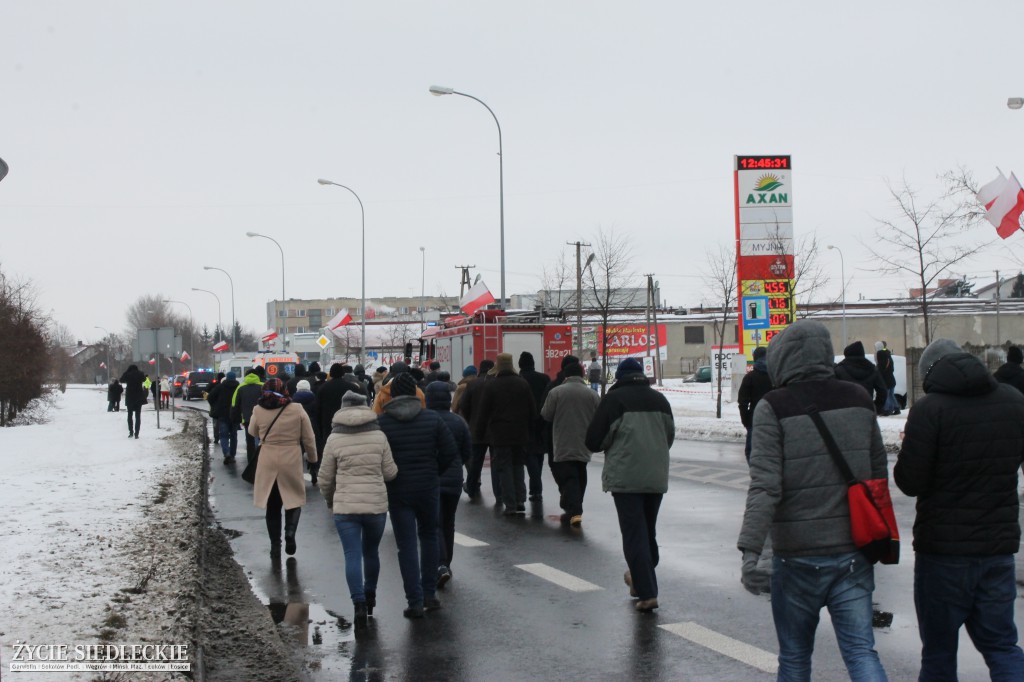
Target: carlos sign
pixel 626 340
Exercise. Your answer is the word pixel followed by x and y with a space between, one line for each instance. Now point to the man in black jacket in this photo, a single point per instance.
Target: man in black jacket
pixel 535 450
pixel 469 409
pixel 506 411
pixel 223 394
pixel 328 401
pixel 963 447
pixel 887 370
pixel 1010 372
pixel 753 387
pixel 134 397
pixel 857 368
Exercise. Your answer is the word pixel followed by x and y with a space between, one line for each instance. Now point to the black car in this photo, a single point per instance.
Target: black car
pixel 198 383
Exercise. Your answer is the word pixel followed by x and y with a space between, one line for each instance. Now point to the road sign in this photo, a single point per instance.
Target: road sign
pixel 323 341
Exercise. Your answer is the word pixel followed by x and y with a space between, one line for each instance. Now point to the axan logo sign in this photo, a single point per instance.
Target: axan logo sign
pixel 765 191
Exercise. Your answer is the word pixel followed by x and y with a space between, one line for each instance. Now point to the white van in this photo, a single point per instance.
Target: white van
pixel 237 364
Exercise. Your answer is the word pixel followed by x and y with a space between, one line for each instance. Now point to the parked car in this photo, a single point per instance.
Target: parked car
pixel 178 385
pixel 198 383
pixel 701 376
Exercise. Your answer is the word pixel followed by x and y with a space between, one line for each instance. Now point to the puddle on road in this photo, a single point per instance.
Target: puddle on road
pixel 324 638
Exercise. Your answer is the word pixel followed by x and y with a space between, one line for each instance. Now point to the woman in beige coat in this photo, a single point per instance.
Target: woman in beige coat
pixel 279 481
pixel 357 462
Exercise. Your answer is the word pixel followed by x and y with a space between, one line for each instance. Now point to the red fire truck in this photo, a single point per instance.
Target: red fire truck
pixel 466 340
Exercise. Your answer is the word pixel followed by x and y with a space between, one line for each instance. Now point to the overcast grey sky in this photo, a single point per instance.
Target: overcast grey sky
pixel 145 139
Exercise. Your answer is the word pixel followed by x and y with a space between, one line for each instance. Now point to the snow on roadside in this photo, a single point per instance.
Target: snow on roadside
pixel 72 502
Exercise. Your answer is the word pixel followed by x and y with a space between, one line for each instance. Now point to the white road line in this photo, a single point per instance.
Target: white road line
pixel 466 541
pixel 733 648
pixel 560 578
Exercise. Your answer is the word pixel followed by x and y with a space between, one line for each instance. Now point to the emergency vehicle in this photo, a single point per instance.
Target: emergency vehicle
pixel 460 341
pixel 277 365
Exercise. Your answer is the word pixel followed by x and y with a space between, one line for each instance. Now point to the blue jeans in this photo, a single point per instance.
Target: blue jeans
pixel 360 537
pixel 228 436
pixel 414 515
pixel 977 592
pixel 801 587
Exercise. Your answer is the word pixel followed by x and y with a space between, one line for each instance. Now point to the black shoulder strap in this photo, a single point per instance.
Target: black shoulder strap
pixel 279 413
pixel 830 443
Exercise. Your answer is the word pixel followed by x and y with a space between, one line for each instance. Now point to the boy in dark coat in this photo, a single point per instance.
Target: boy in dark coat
pixel 1010 372
pixel 857 368
pixel 753 387
pixel 439 399
pixel 114 391
pixel 539 383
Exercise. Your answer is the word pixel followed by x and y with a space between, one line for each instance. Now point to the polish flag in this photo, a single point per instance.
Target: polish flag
pixel 1003 199
pixel 152 361
pixel 185 356
pixel 103 365
pixel 268 335
pixel 339 320
pixel 476 298
pixel 220 346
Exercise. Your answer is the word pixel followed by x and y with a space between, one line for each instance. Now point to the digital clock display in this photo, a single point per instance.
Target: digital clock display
pixel 776 287
pixel 763 163
pixel 778 303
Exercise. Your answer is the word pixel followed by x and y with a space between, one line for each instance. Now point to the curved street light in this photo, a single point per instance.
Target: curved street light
pixel 284 303
pixel 234 346
pixel 842 273
pixel 191 330
pixel 423 290
pixel 362 314
pixel 220 322
pixel 439 91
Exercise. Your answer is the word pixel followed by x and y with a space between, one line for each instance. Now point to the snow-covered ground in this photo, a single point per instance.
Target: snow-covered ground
pixel 84 510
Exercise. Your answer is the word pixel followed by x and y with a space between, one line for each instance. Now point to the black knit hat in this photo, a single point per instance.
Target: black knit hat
pixel 526 360
pixel 403 384
pixel 1014 355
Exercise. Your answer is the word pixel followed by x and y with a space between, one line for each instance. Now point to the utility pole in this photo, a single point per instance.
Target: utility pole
pixel 658 373
pixel 999 338
pixel 579 296
pixel 464 283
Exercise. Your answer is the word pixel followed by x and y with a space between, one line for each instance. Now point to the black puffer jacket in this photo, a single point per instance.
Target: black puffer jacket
pixel 439 400
pixel 963 446
pixel 134 392
pixel 1012 374
pixel 856 368
pixel 421 444
pixel 507 410
pixel 225 393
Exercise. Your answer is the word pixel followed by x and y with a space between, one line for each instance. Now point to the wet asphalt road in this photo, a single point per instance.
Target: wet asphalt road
pixel 502 622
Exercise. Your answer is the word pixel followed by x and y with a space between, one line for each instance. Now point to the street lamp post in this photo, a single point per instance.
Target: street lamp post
pixel 439 91
pixel 842 273
pixel 362 301
pixel 220 322
pixel 234 346
pixel 284 303
pixel 191 330
pixel 1015 102
pixel 423 290
pixel 108 351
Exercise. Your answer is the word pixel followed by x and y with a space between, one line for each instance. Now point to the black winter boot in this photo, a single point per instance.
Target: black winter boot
pixel 291 524
pixel 361 611
pixel 371 601
pixel 274 532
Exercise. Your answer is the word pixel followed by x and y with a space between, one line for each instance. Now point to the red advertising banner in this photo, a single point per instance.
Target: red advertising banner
pixel 626 340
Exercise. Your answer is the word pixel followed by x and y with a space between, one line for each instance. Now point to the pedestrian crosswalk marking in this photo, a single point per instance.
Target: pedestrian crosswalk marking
pixel 560 578
pixel 733 648
pixel 466 541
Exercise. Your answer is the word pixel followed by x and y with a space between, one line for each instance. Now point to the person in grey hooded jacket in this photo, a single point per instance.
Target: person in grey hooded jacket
pixel 797 492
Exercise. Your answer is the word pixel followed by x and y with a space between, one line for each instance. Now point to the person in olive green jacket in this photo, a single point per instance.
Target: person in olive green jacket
pixel 634 427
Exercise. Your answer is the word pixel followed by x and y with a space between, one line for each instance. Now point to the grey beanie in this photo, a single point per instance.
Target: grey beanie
pixel 936 350
pixel 353 398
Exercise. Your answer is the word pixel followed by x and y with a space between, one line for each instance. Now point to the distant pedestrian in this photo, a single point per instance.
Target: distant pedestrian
pixel 378 378
pixel 634 427
pixel 300 374
pixel 279 483
pixel 507 411
pixel 963 448
pixel 227 428
pixel 384 392
pixel 431 376
pixel 154 388
pixel 439 399
pixel 422 447
pixel 165 392
pixel 304 396
pixel 356 464
pixel 242 403
pixel 755 384
pixel 468 374
pixel 114 391
pixel 328 401
pixel 134 397
pixel 799 495
pixel 856 368
pixel 535 450
pixel 1011 372
pixel 367 382
pixel 569 409
pixel 887 370
pixel 594 373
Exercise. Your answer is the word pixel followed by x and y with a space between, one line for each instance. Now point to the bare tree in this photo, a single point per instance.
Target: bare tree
pixel 921 241
pixel 558 282
pixel 720 283
pixel 809 276
pixel 611 281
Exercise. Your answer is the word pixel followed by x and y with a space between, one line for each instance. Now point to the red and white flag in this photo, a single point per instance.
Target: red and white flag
pixel 339 320
pixel 185 357
pixel 268 335
pixel 476 298
pixel 103 365
pixel 220 346
pixel 1003 199
pixel 152 361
